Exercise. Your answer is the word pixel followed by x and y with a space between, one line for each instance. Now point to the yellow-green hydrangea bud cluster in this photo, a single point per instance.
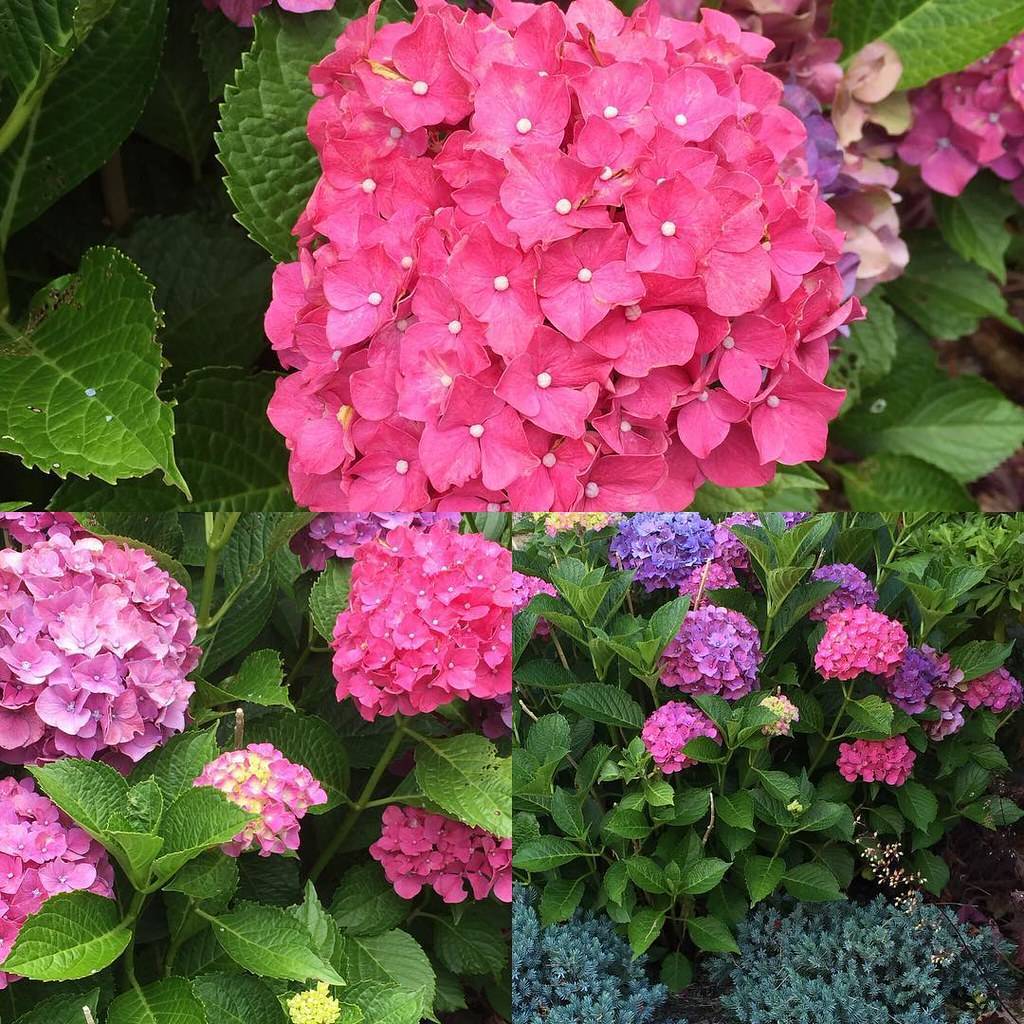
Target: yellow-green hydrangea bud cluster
pixel 787 714
pixel 315 1006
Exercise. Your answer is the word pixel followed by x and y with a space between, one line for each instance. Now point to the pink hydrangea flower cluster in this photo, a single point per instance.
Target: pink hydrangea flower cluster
pixel 970 120
pixel 854 589
pixel 524 590
pixel 997 691
pixel 96 642
pixel 241 12
pixel 339 534
pixel 788 713
pixel 429 620
pixel 42 853
pixel 670 728
pixel 711 576
pixel 28 528
pixel 261 780
pixel 860 640
pixel 716 650
pixel 570 261
pixel 417 849
pixel 890 761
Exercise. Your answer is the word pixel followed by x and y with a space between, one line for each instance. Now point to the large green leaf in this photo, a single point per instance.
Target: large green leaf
pixel 79 381
pixel 269 942
pixel 33 33
pixel 62 1009
pixel 795 488
pixel 232 458
pixel 866 354
pixel 974 222
pixel 328 596
pixel 212 285
pixel 74 935
pixel 170 1001
pixel 86 114
pixel 395 961
pixel 271 166
pixel 932 37
pixel 465 777
pixel 365 902
pixel 238 999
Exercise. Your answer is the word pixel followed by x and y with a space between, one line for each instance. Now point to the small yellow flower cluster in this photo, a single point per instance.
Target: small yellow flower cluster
pixel 315 1006
pixel 557 522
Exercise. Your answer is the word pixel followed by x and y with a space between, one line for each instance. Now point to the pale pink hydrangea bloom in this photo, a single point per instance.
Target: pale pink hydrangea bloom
pixel 890 761
pixel 713 576
pixel 96 642
pixel 418 849
pixel 860 640
pixel 669 728
pixel 788 713
pixel 997 691
pixel 42 853
pixel 429 620
pixel 569 261
pixel 241 12
pixel 261 780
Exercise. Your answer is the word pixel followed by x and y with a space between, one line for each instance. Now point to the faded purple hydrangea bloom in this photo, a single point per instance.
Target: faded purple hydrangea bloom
pixel 717 577
pixel 824 157
pixel 715 651
pixel 338 534
pixel 916 677
pixel 662 547
pixel 524 590
pixel 854 590
pixel 729 549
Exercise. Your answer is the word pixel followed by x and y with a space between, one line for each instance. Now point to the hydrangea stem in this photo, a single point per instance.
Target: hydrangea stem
pixel 365 797
pixel 833 732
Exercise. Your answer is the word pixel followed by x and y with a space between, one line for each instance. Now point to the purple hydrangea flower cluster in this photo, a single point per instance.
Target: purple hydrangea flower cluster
pixel 824 157
pixel 42 853
pixel 96 642
pixel 916 678
pixel 524 590
pixel 853 591
pixel 670 728
pixel 662 547
pixel 716 651
pixel 338 534
pixel 29 528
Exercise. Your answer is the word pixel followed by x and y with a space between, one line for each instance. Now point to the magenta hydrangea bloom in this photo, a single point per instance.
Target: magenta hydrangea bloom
pixel 261 780
pixel 429 620
pixel 28 528
pixel 997 691
pixel 417 849
pixel 854 590
pixel 716 576
pixel 241 12
pixel 524 590
pixel 670 728
pixel 890 761
pixel 715 651
pixel 96 643
pixel 970 120
pixel 860 640
pixel 42 853
pixel 570 261
pixel 339 534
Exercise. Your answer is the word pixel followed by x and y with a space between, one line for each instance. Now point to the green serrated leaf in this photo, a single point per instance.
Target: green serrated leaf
pixel 644 927
pixel 238 999
pixel 603 703
pixel 365 902
pixel 170 1001
pixel 559 900
pixel 472 945
pixel 866 354
pixel 79 382
pixel 262 143
pixel 390 963
pixel 34 34
pixel 711 935
pixel 899 483
pixel 328 596
pixel 974 223
pixel 62 1009
pixel 545 853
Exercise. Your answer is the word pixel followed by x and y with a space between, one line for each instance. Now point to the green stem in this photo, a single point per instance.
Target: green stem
pixel 177 939
pixel 134 912
pixel 24 108
pixel 218 533
pixel 365 797
pixel 833 731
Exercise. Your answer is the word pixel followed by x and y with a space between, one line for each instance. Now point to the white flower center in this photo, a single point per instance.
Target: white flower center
pixel 395 132
pixel 420 88
pixel 501 283
pixel 584 275
pixel 369 185
pixel 632 313
pixel 406 262
pixel 549 459
pixel 591 490
pixel 402 325
pixel 703 396
pixel 523 125
pixel 446 381
pixel 772 401
pixel 668 228
pixel 766 245
pixel 544 379
pixel 563 206
pixel 681 120
pixel 454 326
pixel 401 467
pixel 611 111
pixel 476 430
pixel 728 341
pixel 625 426
pixel 493 506
pixel 606 173
pixel 375 298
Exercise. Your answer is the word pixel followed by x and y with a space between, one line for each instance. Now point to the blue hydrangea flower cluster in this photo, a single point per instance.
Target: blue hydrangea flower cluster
pixel 876 964
pixel 854 590
pixel 663 547
pixel 578 972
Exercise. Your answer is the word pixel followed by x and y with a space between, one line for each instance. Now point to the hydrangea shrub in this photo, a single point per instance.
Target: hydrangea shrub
pixel 267 855
pixel 706 748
